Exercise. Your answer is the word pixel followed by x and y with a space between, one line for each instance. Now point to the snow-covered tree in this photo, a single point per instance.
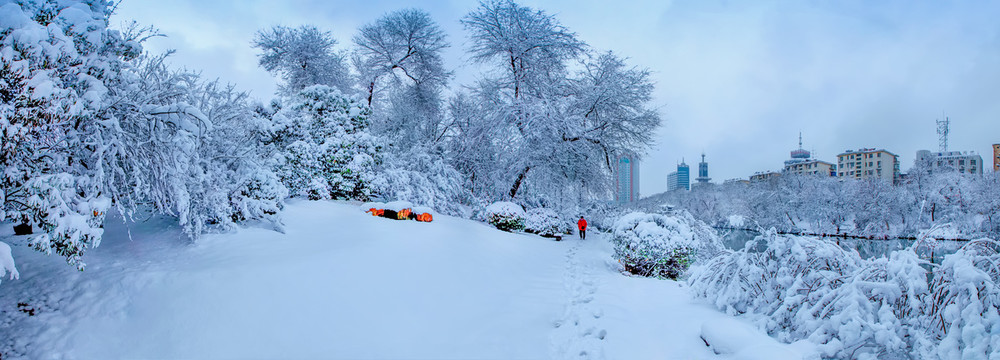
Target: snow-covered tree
pixel 303 57
pixel 58 61
pixel 90 125
pixel 533 127
pixel 324 150
pixel 529 47
pixel 402 47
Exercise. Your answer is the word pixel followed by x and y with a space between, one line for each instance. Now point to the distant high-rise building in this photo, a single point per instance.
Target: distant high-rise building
pixel 963 162
pixel 680 179
pixel 703 171
pixel 996 157
pixel 802 163
pixel 868 164
pixel 627 179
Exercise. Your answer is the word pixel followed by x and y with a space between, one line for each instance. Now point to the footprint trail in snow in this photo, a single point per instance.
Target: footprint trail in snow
pixel 579 334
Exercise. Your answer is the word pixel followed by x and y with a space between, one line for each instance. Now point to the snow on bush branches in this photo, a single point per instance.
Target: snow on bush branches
pixel 810 288
pixel 546 222
pixel 506 216
pixel 662 246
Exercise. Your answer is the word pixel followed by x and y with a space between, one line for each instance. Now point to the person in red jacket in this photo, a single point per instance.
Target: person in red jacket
pixel 582 224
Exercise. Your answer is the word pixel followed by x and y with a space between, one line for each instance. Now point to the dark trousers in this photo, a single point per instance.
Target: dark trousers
pixel 583 234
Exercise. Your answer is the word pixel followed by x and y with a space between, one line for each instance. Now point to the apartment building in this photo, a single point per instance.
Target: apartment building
pixel 966 162
pixel 811 167
pixel 868 164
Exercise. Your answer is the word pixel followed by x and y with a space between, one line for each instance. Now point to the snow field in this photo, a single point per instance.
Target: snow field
pixel 340 283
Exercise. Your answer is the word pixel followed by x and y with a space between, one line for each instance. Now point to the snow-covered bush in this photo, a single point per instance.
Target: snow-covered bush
pixel 425 178
pixel 964 309
pixel 662 246
pixel 810 288
pixel 506 216
pixel 546 222
pixel 258 195
pixel 324 149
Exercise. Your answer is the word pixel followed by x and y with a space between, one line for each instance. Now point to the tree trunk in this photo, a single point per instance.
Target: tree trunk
pixel 517 182
pixel 371 92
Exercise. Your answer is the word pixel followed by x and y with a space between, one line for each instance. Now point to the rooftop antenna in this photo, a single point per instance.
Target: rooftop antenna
pixel 800 139
pixel 942 131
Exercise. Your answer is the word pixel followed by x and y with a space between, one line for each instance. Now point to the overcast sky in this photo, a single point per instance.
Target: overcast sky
pixel 736 79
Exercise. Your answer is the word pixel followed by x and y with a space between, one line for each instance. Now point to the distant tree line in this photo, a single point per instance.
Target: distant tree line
pixel 967 204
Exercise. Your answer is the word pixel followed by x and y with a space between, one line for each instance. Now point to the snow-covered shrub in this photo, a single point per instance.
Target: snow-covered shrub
pixel 506 216
pixel 425 178
pixel 662 246
pixel 324 149
pixel 546 222
pixel 259 195
pixel 965 306
pixel 810 288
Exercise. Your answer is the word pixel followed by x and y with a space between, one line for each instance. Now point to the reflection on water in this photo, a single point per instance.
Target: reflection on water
pixel 737 240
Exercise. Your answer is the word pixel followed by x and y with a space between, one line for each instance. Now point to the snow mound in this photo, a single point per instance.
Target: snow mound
pixel 372 205
pixel 727 336
pixel 398 205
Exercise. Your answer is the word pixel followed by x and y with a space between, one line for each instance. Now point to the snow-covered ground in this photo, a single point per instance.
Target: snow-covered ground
pixel 343 284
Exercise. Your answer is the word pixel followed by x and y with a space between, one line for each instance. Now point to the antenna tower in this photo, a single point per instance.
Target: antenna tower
pixel 942 131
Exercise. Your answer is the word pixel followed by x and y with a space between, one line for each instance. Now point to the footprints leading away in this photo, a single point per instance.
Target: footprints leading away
pixel 579 334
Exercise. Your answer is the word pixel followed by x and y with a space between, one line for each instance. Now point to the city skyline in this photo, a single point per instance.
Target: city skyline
pixel 734 77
